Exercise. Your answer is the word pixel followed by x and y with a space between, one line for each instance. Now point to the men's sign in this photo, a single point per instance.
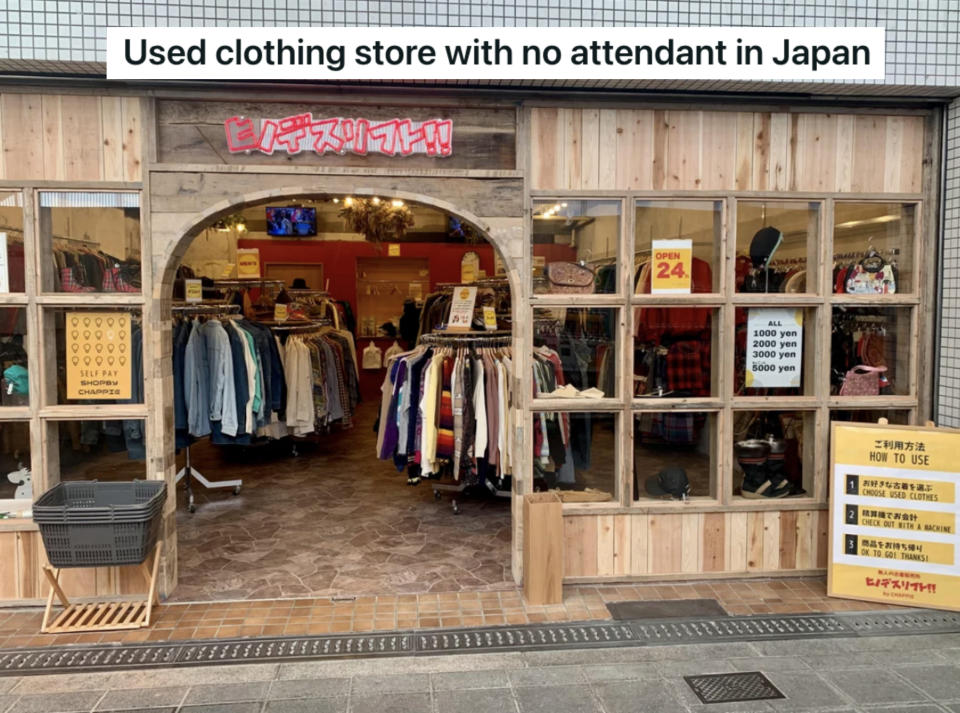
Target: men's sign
pixel 99 355
pixel 302 132
pixel 893 515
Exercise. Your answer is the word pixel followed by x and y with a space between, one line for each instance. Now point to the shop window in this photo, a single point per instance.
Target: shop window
pixel 96 450
pixel 99 355
pixel 14 378
pixel 576 451
pixel 11 242
pixel 16 478
pixel 773 454
pixel 674 350
pixel 697 225
pixel 776 242
pixel 870 351
pixel 575 352
pixel 91 241
pixel 674 455
pixel 775 351
pixel 576 246
pixel 873 247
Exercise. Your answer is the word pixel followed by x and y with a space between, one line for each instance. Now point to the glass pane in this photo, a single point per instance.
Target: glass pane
pixel 16 482
pixel 575 246
pixel 93 241
pixel 98 450
pixel 873 247
pixel 700 222
pixel 672 350
pixel 775 242
pixel 771 457
pixel 894 418
pixel 775 352
pixel 11 240
pixel 14 379
pixel 674 452
pixel 576 451
pixel 575 352
pixel 865 340
pixel 99 355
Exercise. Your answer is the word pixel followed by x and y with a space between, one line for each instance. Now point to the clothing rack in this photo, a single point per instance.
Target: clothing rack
pixel 251 282
pixel 891 252
pixel 491 339
pixel 310 326
pixel 188 473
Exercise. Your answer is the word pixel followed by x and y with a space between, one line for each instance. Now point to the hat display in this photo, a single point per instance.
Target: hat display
pixel 669 481
pixel 299 284
pixel 764 244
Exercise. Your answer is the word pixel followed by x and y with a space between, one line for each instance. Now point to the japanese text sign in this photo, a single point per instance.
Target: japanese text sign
pixel 99 355
pixel 774 347
pixel 461 308
pixel 893 515
pixel 302 132
pixel 670 264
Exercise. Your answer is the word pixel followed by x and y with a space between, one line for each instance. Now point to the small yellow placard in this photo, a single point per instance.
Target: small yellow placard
pixel 671 267
pixel 99 355
pixel 248 263
pixel 489 318
pixel 393 249
pixel 193 290
pixel 893 515
pixel 280 312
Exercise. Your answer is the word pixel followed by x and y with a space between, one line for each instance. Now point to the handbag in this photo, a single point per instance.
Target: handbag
pixel 570 278
pixel 862 380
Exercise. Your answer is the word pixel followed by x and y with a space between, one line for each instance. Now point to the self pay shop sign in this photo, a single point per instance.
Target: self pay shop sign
pixel 457 53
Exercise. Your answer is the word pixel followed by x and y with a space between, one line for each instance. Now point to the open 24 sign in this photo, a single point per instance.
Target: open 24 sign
pixel 671 272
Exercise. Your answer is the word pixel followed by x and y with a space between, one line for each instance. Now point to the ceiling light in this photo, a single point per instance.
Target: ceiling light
pixel 396 203
pixel 348 201
pixel 375 200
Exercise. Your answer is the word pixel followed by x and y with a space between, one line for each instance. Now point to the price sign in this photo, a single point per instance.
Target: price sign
pixel 670 265
pixel 393 249
pixel 774 348
pixel 489 318
pixel 193 290
pixel 248 263
pixel 99 355
pixel 280 312
pixel 893 515
pixel 461 309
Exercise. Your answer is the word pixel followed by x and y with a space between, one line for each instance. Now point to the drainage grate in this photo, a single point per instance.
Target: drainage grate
pixel 105 657
pixel 733 687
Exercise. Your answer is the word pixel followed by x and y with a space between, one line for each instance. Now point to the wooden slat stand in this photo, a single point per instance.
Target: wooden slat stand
pixel 102 616
pixel 542 549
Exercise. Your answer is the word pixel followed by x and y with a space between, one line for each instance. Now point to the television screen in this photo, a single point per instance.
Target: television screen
pixel 291 220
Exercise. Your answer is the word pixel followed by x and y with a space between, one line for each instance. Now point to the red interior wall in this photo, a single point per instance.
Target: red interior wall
pixel 339 258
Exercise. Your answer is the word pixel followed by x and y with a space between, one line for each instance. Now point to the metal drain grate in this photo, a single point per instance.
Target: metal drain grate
pixel 105 657
pixel 733 687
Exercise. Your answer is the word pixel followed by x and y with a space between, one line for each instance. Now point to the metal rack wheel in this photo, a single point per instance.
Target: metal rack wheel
pixel 436 494
pixel 456 507
pixel 236 490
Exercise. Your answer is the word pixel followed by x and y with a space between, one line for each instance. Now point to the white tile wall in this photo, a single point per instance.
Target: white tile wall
pixel 948 388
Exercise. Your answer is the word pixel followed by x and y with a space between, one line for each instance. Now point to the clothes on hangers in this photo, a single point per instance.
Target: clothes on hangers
pixel 870 275
pixel 82 269
pixel 447 410
pixel 323 387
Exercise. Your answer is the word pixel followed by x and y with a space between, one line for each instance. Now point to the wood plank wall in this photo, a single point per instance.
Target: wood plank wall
pixel 56 137
pixel 732 543
pixel 652 150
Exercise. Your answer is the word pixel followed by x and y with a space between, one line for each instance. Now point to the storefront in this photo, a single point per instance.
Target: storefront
pixel 807 248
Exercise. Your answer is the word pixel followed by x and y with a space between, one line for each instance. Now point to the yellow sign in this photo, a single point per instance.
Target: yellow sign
pixel 99 355
pixel 193 290
pixel 671 267
pixel 248 263
pixel 893 515
pixel 393 249
pixel 280 312
pixel 489 318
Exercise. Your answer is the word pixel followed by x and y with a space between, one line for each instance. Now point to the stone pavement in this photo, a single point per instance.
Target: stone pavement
pixel 909 674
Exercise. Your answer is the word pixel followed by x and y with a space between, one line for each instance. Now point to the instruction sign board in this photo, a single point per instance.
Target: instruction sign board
pixel 774 347
pixel 99 355
pixel 461 309
pixel 671 267
pixel 893 515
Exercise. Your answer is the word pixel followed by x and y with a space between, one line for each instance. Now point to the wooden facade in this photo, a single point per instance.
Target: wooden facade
pixel 170 145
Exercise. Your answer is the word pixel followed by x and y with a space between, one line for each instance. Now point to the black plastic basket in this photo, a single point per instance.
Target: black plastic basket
pixel 92 524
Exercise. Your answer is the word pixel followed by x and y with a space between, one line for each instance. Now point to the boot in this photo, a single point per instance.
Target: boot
pixel 775 462
pixel 752 455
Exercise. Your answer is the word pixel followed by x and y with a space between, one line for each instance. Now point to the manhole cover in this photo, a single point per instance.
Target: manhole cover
pixel 733 687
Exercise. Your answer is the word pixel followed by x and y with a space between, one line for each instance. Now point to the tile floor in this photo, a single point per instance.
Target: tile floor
pixel 289 617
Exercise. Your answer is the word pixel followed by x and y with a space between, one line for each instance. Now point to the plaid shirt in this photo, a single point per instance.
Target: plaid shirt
pixel 685 368
pixel 69 284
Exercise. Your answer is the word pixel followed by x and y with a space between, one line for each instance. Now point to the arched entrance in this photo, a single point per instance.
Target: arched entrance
pixel 175 251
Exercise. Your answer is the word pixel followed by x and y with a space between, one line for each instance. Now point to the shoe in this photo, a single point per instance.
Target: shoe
pixel 775 462
pixel 752 455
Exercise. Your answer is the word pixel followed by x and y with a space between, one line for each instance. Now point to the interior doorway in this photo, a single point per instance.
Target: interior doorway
pixel 326 507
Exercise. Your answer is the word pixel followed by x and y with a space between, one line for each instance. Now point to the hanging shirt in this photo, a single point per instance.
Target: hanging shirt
pixel 223 407
pixel 480 410
pixel 196 379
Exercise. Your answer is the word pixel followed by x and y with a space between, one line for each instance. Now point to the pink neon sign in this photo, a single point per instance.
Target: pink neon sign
pixel 301 132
